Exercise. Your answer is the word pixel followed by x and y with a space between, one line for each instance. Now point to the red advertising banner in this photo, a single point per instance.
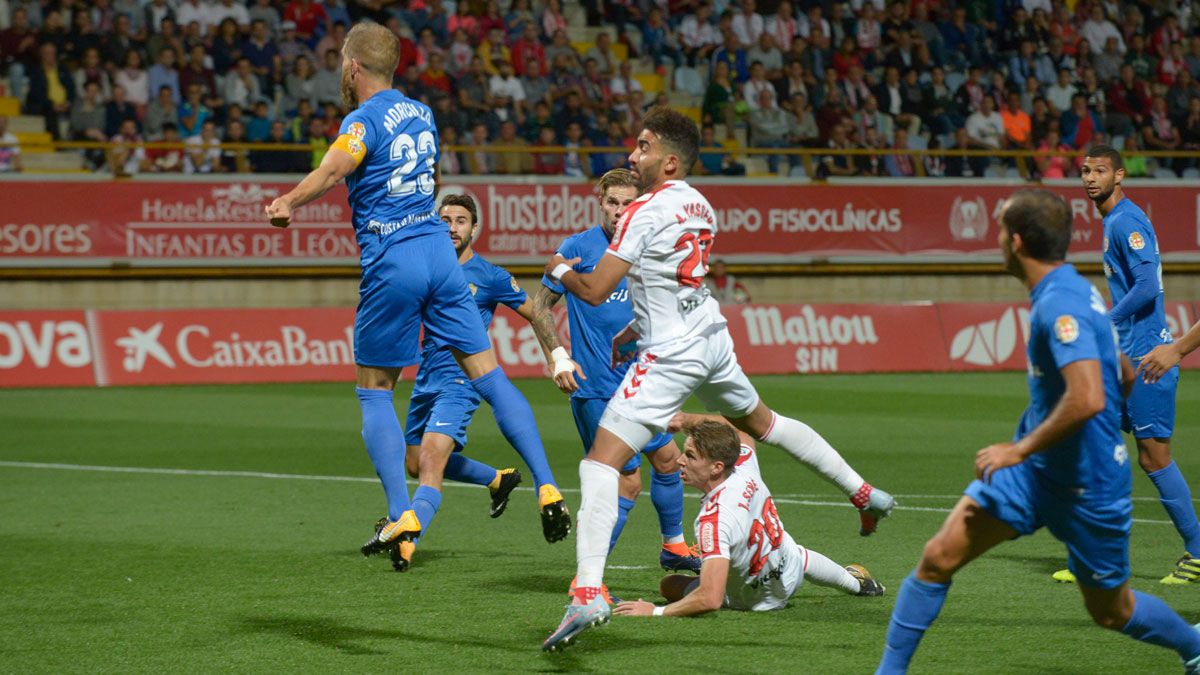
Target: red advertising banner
pixel 150 222
pixel 60 349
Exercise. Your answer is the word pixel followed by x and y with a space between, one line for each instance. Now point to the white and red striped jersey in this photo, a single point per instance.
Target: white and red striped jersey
pixel 667 235
pixel 738 521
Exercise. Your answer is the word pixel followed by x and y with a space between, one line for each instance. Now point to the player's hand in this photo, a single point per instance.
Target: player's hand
pixel 995 457
pixel 678 421
pixel 280 213
pixel 624 346
pixel 565 371
pixel 637 607
pixel 556 260
pixel 1156 364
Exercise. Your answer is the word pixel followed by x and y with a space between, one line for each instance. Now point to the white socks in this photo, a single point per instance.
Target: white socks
pixel 596 520
pixel 806 445
pixel 824 572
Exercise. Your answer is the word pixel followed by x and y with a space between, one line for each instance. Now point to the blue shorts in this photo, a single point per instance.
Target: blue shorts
pixel 417 281
pixel 587 413
pixel 1149 411
pixel 446 411
pixel 1096 532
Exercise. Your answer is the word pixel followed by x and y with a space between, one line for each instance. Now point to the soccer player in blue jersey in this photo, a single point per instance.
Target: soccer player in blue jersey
pixel 1133 269
pixel 593 328
pixel 1066 468
pixel 387 150
pixel 443 401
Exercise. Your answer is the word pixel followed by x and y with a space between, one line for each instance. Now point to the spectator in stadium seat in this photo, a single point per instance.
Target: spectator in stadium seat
pixel 901 54
pixel 277 161
pixel 292 45
pixel 87 122
pixel 1108 62
pixel 1180 95
pixel 1160 132
pixel 81 37
pixel 308 17
pixel 518 19
pixel 51 91
pixel 528 48
pixel 508 94
pixel 153 12
pixel 1059 94
pixel 195 11
pixel 1018 29
pixel 756 85
pixel 491 19
pixel 958 166
pixel 1023 65
pixel 241 87
pixel 547 163
pixel 1145 64
pixel 327 83
pixel 474 95
pixel 553 20
pixel 559 46
pixel 1018 127
pixel 595 86
pixel 793 81
pixel 196 72
pixel 127 156
pixel 698 38
pixel 235 160
pixel 193 113
pixel 868 33
pixel 713 160
pixel 450 162
pixel 336 37
pixel 493 51
pixel 18 52
pixel 847 57
pixel 511 163
pixel 90 70
pixel 301 84
pixel 900 166
pixel 832 113
pixel 986 127
pixel 265 11
pixel 659 42
pixel 166 160
pixel 720 99
pixel 117 110
pixel 161 111
pixel 963 40
pixel 1193 56
pixel 602 52
pixel 163 73
pixel 855 88
pixel 259 49
pixel 318 142
pixel 1128 96
pixel 258 127
pixel 1049 166
pixel 941 108
pixel 731 53
pixel 1041 120
pixel 747 24
pixel 1097 29
pixel 773 127
pixel 204 152
pixel 725 287
pixel 1079 125
pixel 228 9
pixel 872 164
pixel 479 160
pixel 1189 132
pixel 889 96
pixel 837 164
pixel 767 53
pixel 871 117
pixel 542 117
pixel 1172 64
pixel 574 164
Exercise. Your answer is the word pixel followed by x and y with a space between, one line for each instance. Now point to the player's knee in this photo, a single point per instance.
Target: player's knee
pixel 630 485
pixel 938 562
pixel 412 464
pixel 1153 456
pixel 1110 618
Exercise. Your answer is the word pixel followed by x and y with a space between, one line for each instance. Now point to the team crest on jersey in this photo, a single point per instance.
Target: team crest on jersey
pixel 512 281
pixel 1136 242
pixel 708 537
pixel 473 288
pixel 357 131
pixel 1066 329
pixel 356 146
pixel 1106 244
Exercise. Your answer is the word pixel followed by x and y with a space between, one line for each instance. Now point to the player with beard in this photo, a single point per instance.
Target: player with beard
pixel 443 401
pixel 662 244
pixel 387 150
pixel 1133 270
pixel 1065 469
pixel 593 328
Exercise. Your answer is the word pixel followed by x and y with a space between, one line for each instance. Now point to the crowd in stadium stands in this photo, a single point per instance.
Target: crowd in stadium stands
pixel 909 74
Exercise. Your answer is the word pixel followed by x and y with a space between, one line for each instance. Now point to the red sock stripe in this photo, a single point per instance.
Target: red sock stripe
pixel 771 428
pixel 862 497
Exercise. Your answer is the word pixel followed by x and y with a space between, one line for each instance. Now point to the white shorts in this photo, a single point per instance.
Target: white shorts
pixel 777 589
pixel 657 386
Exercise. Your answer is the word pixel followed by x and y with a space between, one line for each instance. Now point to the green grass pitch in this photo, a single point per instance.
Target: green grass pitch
pixel 125 571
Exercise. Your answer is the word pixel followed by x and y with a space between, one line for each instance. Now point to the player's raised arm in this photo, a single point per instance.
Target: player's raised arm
pixel 340 161
pixel 1082 400
pixel 685 422
pixel 1165 357
pixel 593 287
pixel 536 310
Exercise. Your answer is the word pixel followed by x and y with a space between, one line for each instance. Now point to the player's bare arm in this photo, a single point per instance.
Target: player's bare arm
pixel 536 310
pixel 1165 357
pixel 336 165
pixel 709 596
pixel 593 287
pixel 1082 400
pixel 685 422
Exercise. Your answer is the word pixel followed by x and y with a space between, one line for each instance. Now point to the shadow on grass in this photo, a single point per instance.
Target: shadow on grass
pixel 348 638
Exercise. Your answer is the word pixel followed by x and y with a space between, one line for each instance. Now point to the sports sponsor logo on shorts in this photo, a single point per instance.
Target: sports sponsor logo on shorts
pixel 1066 329
pixel 1136 242
pixel 357 131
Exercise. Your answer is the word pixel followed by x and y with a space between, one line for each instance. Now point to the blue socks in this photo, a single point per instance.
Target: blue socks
pixel 917 605
pixel 426 502
pixel 624 506
pixel 1176 498
pixel 1157 624
pixel 515 419
pixel 463 469
pixel 666 492
pixel 385 444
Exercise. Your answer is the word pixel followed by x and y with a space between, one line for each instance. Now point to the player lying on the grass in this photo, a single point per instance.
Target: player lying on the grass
pixel 1133 270
pixel 593 328
pixel 662 243
pixel 1163 358
pixel 443 401
pixel 387 150
pixel 750 561
pixel 1066 469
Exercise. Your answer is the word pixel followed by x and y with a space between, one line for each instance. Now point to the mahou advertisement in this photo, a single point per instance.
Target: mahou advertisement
pixel 121 348
pixel 182 223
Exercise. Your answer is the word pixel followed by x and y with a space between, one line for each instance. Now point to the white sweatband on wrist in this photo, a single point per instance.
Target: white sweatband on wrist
pixel 658 611
pixel 561 361
pixel 559 270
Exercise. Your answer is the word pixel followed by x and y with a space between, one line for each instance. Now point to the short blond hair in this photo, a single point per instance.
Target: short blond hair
pixel 616 178
pixel 376 49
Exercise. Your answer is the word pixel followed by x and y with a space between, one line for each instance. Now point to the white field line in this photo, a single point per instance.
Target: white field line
pixel 781 498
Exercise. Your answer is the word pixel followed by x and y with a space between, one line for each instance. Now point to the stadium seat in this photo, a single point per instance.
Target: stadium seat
pixel 1191 172
pixel 954 80
pixel 1012 172
pixel 692 112
pixel 918 142
pixel 797 172
pixel 1165 172
pixel 688 81
pixel 1118 142
pixel 652 83
pixel 10 107
pixel 994 171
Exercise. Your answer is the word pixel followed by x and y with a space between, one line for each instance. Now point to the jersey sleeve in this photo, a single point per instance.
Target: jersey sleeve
pixel 505 289
pixel 714 534
pixel 1070 334
pixel 566 250
pixel 354 136
pixel 1135 241
pixel 633 232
